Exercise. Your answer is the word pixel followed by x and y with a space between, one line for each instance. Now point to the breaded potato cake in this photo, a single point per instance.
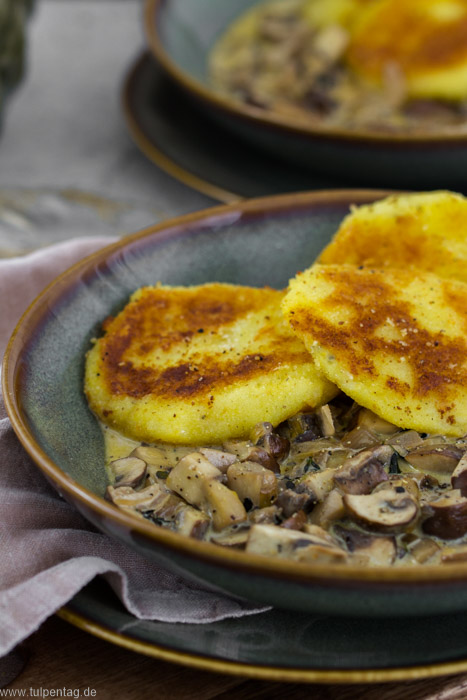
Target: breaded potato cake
pixel 394 342
pixel 425 38
pixel 200 364
pixel 426 230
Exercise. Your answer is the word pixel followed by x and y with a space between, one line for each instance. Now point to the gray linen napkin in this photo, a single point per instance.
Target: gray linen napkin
pixel 48 552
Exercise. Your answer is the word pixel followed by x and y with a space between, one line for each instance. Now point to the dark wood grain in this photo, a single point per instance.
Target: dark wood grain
pixel 61 656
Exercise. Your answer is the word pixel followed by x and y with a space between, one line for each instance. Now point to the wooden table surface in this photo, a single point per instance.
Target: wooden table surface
pixel 60 656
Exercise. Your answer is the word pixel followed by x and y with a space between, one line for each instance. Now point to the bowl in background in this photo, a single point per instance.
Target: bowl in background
pixel 181 33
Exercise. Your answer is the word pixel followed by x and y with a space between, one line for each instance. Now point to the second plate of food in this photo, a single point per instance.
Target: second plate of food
pixel 371 523
pixel 369 91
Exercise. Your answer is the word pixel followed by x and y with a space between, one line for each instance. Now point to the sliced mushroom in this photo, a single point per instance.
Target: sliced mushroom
pixel 261 456
pixel 220 459
pixel 297 521
pixel 438 458
pixel 459 476
pixel 389 510
pixel 446 517
pixel 269 540
pixel 405 441
pixel 453 555
pixel 263 435
pixel 189 475
pixel 420 548
pixel 359 438
pixel 232 537
pixel 329 510
pixel 373 423
pixel 363 472
pixel 128 471
pixel 266 516
pixel 253 482
pixel 326 421
pixel 143 500
pixel 239 448
pixel 191 522
pixel 290 502
pixel 317 484
pixel 373 550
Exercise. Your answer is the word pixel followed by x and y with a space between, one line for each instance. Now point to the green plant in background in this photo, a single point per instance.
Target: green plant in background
pixel 13 19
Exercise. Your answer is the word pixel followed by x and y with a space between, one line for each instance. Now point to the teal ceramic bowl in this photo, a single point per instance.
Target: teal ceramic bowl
pixel 181 33
pixel 256 242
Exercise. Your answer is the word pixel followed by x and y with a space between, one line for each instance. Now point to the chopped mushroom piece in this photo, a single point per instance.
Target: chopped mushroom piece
pixel 189 475
pixel 252 481
pixel 367 549
pixel 191 522
pixel 269 540
pixel 222 504
pixel 361 473
pixel 421 548
pixel 405 441
pixel 435 458
pixel 459 476
pixel 326 421
pixel 221 460
pixel 128 471
pixel 370 421
pixel 389 510
pixel 143 500
pixel 329 510
pixel 446 517
pixel 359 438
pixel 317 484
pixel 297 521
pixel 453 555
pixel 266 516
pixel 290 502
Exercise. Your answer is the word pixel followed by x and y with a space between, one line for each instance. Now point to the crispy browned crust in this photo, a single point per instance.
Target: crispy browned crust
pixel 168 318
pixel 437 360
pixel 414 39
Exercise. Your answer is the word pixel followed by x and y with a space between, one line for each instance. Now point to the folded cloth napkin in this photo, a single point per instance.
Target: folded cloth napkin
pixel 48 552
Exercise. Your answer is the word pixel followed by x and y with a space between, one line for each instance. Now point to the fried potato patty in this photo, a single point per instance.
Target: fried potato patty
pixel 200 364
pixel 426 231
pixel 426 38
pixel 394 342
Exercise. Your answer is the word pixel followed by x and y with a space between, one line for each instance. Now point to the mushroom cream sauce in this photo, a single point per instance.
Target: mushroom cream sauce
pixel 358 477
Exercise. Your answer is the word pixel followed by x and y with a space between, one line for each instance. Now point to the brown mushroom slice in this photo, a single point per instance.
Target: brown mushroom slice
pixel 454 555
pixel 128 471
pixel 236 536
pixel 239 448
pixel 253 482
pixel 297 521
pixel 317 484
pixel 276 445
pixel 220 459
pixel 326 421
pixel 459 476
pixel 370 550
pixel 438 458
pixel 289 501
pixel 405 441
pixel 363 472
pixel 420 548
pixel 446 517
pixel 329 510
pixel 189 475
pixel 191 522
pixel 266 516
pixel 373 423
pixel 262 456
pixel 402 480
pixel 359 438
pixel 272 541
pixel 389 510
pixel 129 499
pixel 320 534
